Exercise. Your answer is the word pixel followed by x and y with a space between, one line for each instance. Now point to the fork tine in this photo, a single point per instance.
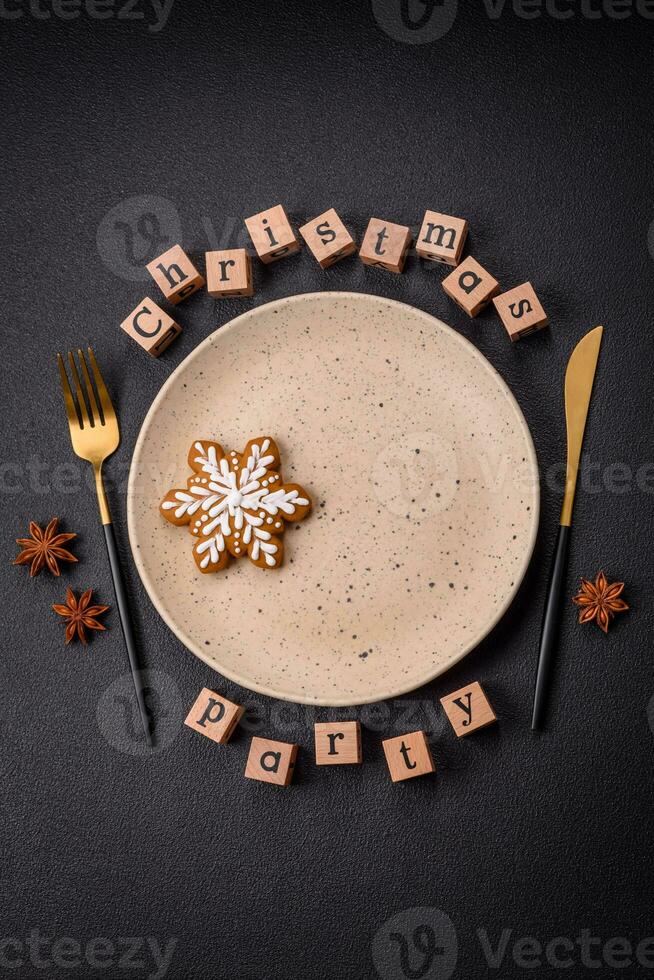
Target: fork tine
pixel 105 400
pixel 93 405
pixel 84 415
pixel 69 402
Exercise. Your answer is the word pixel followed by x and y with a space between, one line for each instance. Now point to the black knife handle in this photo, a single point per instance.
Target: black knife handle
pixel 126 624
pixel 549 631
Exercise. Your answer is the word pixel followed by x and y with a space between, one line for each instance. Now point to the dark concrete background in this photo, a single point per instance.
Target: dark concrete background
pixel 539 132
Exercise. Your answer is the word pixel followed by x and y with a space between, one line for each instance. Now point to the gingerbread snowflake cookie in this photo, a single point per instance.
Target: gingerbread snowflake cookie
pixel 236 504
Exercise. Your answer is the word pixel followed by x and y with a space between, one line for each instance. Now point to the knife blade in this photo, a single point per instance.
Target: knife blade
pixel 579 378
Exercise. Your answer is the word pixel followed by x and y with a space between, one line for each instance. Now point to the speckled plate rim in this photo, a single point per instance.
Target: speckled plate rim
pixel 430 675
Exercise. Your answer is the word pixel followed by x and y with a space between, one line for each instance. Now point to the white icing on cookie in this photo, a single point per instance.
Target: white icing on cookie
pixel 231 501
pixel 233 493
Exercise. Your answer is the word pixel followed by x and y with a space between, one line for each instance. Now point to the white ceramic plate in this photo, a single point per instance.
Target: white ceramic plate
pixel 425 489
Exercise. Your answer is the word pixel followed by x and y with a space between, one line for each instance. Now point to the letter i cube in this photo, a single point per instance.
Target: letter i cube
pixel 272 234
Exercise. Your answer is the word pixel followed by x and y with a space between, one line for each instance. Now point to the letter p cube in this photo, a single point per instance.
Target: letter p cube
pixel 214 716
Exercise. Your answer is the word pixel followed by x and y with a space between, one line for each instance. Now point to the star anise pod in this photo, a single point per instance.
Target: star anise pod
pixel 44 548
pixel 80 615
pixel 599 601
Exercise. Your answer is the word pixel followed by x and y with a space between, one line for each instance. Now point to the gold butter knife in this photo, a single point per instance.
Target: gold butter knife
pixel 579 378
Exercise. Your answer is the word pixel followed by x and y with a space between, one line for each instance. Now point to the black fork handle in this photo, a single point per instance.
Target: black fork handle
pixel 126 624
pixel 549 631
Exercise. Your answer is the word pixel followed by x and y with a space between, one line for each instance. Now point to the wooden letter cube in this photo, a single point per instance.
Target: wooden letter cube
pixel 214 716
pixel 175 274
pixel 151 327
pixel 271 234
pixel 271 762
pixel 468 709
pixel 229 273
pixel 471 286
pixel 520 311
pixel 385 244
pixel 408 756
pixel 442 238
pixel 337 742
pixel 328 238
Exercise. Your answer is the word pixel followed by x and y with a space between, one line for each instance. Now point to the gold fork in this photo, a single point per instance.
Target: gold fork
pixel 95 436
